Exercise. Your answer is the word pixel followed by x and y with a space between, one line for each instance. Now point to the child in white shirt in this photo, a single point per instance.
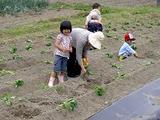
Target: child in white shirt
pixel 126 50
pixel 93 20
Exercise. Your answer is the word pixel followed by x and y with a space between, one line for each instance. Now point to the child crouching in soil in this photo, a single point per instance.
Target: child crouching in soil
pixel 61 53
pixel 127 48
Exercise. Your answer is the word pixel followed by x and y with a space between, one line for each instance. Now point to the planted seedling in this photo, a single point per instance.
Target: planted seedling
pixel 44 51
pixel 60 89
pixel 44 86
pixel 5 72
pixel 29 46
pixel 29 41
pixel 7 99
pixel 18 83
pixel 70 104
pixel 2 59
pixel 89 71
pixel 48 62
pixel 121 75
pixel 110 34
pixel 99 90
pixel 17 57
pixel 116 65
pixel 13 50
pixel 118 38
pixel 48 44
pixel 109 55
pixel 149 63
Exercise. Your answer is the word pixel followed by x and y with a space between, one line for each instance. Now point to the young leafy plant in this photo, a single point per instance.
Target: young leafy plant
pixel 115 65
pixel 17 57
pixel 89 70
pixel 109 55
pixel 2 59
pixel 18 83
pixel 28 46
pixel 13 50
pixel 5 72
pixel 121 75
pixel 48 62
pixel 99 90
pixel 60 89
pixel 48 44
pixel 7 99
pixel 70 104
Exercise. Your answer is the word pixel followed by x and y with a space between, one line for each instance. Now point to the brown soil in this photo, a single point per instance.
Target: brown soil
pixel 34 101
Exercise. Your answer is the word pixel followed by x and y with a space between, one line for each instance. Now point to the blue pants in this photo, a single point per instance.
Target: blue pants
pixel 94 27
pixel 60 64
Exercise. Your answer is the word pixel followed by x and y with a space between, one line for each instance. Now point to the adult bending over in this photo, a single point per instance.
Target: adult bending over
pixel 82 40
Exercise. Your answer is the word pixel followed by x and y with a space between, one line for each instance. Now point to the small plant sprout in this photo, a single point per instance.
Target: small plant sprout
pixel 110 34
pixel 2 59
pixel 89 71
pixel 29 41
pixel 48 44
pixel 100 90
pixel 13 50
pixel 70 104
pixel 5 72
pixel 48 62
pixel 121 75
pixel 44 51
pixel 109 55
pixel 7 99
pixel 60 89
pixel 116 66
pixel 28 46
pixel 44 86
pixel 18 83
pixel 17 57
pixel 148 63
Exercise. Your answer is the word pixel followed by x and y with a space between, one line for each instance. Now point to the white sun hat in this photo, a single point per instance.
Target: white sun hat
pixel 95 39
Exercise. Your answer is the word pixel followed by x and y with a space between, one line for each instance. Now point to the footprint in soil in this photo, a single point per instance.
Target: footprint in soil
pixel 24 111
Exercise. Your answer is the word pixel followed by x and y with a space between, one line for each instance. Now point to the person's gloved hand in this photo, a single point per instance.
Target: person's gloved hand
pixel 85 62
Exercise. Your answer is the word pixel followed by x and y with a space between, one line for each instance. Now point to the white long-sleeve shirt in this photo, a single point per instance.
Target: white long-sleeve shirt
pixel 95 13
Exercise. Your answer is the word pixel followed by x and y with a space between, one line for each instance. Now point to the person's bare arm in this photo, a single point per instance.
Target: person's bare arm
pixel 60 47
pixel 137 56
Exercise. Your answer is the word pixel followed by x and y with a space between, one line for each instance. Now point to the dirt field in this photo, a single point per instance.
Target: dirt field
pixel 35 101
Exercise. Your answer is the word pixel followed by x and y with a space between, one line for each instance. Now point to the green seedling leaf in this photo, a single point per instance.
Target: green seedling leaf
pixel 5 72
pixel 109 55
pixel 17 57
pixel 44 51
pixel 29 41
pixel 110 34
pixel 60 89
pixel 149 63
pixel 2 59
pixel 49 44
pixel 44 86
pixel 89 71
pixel 70 104
pixel 13 50
pixel 28 47
pixel 115 65
pixel 121 75
pixel 48 62
pixel 99 90
pixel 7 99
pixel 18 83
